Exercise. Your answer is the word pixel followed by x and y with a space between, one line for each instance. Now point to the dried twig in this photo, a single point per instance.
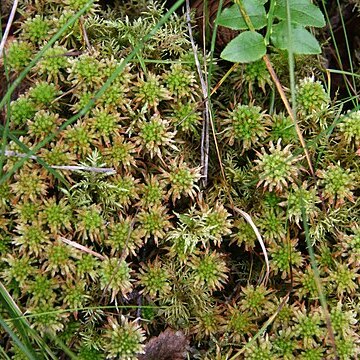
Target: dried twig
pixel 10 153
pixel 207 113
pixel 85 168
pixel 84 33
pixel 81 247
pixel 289 110
pixel 8 26
pixel 65 167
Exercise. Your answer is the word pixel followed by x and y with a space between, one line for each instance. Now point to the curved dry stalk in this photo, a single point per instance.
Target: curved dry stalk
pixel 248 218
pixel 8 26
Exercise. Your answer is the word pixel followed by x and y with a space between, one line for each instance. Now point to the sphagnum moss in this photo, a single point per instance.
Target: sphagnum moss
pixel 277 169
pixel 349 129
pixel 311 96
pixel 154 279
pixel 148 236
pixel 124 339
pixel 247 125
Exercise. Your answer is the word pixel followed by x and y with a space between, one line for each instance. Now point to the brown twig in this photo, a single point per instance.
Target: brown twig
pixel 288 109
pixel 81 248
pixel 83 30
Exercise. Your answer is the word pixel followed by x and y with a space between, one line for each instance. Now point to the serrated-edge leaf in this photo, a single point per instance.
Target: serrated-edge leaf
pixel 303 41
pixel 302 12
pixel 232 18
pixel 247 47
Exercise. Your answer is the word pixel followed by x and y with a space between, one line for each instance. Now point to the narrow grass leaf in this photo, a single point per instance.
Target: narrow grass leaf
pixel 40 54
pixel 3 354
pixel 14 312
pixel 21 77
pixel 57 340
pixel 262 330
pixel 25 348
pixel 248 218
pixel 21 324
pixel 57 175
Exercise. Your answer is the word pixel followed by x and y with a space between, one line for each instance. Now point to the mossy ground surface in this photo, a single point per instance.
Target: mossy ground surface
pixel 121 240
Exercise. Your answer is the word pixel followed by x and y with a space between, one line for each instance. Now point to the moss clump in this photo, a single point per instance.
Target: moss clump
pixel 120 240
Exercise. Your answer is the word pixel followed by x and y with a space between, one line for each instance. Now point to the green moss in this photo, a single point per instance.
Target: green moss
pixel 136 222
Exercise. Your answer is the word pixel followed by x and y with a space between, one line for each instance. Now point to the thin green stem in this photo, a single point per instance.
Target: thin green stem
pixel 5 129
pixel 317 279
pixel 213 42
pixel 270 19
pixel 245 15
pixel 337 52
pixel 291 60
pixel 343 27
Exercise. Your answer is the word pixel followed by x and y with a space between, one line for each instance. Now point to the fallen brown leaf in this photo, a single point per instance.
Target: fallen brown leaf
pixel 169 345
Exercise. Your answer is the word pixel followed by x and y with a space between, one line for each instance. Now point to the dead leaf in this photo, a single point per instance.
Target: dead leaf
pixel 169 345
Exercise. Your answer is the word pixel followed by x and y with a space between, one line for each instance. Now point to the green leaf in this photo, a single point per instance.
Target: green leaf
pixel 232 18
pixel 247 47
pixel 303 42
pixel 302 12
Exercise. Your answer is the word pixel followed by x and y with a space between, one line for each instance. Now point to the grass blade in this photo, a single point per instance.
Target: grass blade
pixel 21 324
pixel 14 312
pixel 25 348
